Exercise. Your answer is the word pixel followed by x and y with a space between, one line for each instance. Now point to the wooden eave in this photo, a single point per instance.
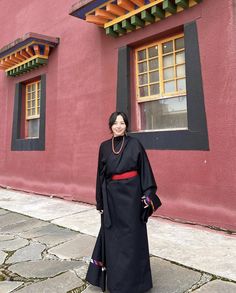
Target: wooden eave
pixel 26 53
pixel 119 17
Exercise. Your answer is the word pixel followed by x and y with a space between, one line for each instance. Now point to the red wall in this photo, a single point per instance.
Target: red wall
pixel 195 186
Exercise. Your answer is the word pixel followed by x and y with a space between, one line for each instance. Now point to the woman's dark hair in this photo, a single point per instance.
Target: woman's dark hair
pixel 113 117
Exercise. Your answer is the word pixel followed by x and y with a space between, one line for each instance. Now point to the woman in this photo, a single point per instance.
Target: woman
pixel 126 197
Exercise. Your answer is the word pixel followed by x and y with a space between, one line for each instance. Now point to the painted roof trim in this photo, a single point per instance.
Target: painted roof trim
pixel 84 6
pixel 26 39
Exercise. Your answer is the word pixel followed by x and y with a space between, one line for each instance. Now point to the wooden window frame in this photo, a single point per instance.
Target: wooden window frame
pixel 162 94
pixel 19 140
pixel 196 136
pixel 36 107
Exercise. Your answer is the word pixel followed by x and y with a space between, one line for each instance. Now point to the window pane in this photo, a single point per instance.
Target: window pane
pixel 164 114
pixel 33 87
pixel 180 70
pixel 179 44
pixel 168 60
pixel 180 57
pixel 154 76
pixel 143 79
pixel 33 111
pixel 141 54
pixel 181 84
pixel 153 51
pixel 169 73
pixel 143 91
pixel 153 64
pixel 167 47
pixel 28 104
pixel 29 112
pixel 33 128
pixel 169 86
pixel 154 89
pixel 142 67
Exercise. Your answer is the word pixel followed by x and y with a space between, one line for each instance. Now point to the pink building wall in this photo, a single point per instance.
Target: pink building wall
pixel 195 186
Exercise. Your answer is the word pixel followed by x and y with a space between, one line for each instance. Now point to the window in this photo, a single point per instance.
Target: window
pixel 28 131
pixel 161 85
pixel 32 105
pixel 172 117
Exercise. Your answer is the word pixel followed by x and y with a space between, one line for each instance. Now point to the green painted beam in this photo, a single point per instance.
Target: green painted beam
pixel 182 3
pixel 118 29
pixel 127 25
pixel 197 1
pixel 168 6
pixel 110 32
pixel 135 20
pixel 158 12
pixel 146 16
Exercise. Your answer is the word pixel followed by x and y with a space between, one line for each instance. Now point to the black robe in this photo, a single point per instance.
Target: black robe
pixel 124 233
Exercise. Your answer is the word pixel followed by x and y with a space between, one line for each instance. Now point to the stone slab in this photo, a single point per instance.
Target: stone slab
pixel 6 237
pixel 29 252
pixel 79 247
pixel 43 268
pixel 24 226
pixel 54 238
pixel 41 231
pixel 3 212
pixel 38 206
pixel 168 277
pixel 217 286
pixel 2 257
pixel 8 286
pixel 93 289
pixel 11 218
pixel 87 222
pixel 203 249
pixel 60 284
pixel 81 272
pixel 11 245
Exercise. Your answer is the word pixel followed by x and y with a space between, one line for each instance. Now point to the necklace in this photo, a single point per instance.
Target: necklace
pixel 113 147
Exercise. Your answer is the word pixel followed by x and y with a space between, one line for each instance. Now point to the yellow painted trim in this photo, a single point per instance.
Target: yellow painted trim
pixel 26 61
pixel 26 46
pixel 161 81
pixel 135 11
pixel 37 115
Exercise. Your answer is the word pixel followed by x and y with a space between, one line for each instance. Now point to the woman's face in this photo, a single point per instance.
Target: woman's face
pixel 119 127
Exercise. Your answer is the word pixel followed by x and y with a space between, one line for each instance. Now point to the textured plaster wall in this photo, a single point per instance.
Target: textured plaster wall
pixel 197 186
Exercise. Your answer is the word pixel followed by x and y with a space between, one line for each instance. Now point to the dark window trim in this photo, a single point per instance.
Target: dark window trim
pixel 29 144
pixel 196 137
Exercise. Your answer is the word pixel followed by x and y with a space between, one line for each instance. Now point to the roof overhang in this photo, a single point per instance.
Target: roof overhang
pixel 118 17
pixel 26 53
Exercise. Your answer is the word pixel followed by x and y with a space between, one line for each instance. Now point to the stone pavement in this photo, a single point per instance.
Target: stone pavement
pixel 45 245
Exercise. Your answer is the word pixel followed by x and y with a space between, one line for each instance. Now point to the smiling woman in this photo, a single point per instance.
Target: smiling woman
pixel 126 197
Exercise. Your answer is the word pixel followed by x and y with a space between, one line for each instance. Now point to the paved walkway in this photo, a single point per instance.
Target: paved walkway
pixel 45 245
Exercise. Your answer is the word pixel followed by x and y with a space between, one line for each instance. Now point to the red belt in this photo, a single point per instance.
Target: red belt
pixel 124 175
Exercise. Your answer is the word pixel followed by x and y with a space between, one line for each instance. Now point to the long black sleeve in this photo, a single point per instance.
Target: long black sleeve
pixel 148 184
pixel 99 201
